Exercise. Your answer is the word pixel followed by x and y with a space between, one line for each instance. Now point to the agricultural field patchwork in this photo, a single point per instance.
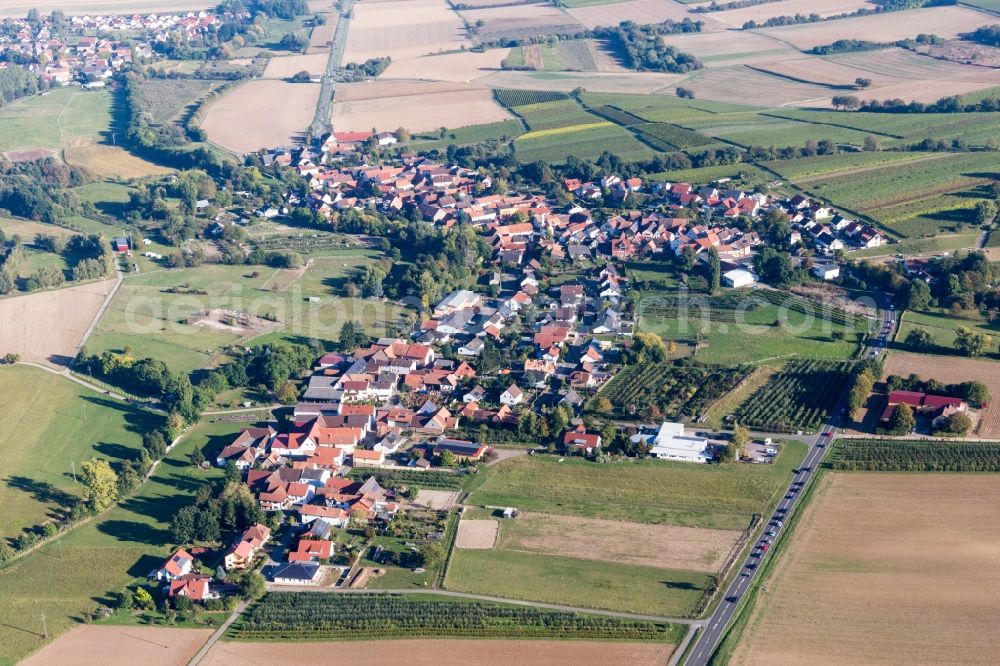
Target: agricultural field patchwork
pixel 403 29
pixel 898 566
pixel 261 113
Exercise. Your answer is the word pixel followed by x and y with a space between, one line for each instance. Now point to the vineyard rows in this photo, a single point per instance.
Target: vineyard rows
pixel 812 307
pixel 715 308
pixel 916 456
pixel 290 616
pixel 676 392
pixel 430 480
pixel 509 98
pixel 674 137
pixel 800 397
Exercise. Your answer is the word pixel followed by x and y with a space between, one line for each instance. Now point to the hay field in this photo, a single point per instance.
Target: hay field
pixel 287 66
pixel 885 569
pixel 954 370
pixel 943 21
pixel 477 534
pixel 403 29
pixel 261 114
pixel 640 11
pixel 19 8
pixel 760 13
pixel 415 106
pixel 54 119
pixel 111 161
pixel 455 67
pixel 613 541
pixel 87 645
pixel 442 652
pixel 48 326
pixel 721 49
pixel 521 21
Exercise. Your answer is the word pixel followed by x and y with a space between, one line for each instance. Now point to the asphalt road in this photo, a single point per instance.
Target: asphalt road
pixel 715 626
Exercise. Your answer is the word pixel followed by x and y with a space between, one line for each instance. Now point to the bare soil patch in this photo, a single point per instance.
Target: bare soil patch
pixel 521 21
pixel 954 370
pixel 29 155
pixel 824 72
pixel 885 569
pixel 441 652
pixel 640 11
pixel 888 27
pixel 48 326
pixel 231 321
pixel 760 13
pixel 403 29
pixel 435 499
pixel 111 162
pixel 287 66
pixel 665 546
pixel 719 49
pixel 419 112
pixel 457 67
pixel 97 645
pixel 261 114
pixel 320 37
pixel 477 534
pixel 968 53
pixel 742 85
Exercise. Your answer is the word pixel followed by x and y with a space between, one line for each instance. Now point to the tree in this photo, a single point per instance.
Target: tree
pixel 602 405
pixel 741 436
pixel 100 483
pixel 861 83
pixel 976 393
pixel 902 421
pixel 447 459
pixel 142 599
pixel 182 603
pixel 919 339
pixel 986 212
pixel 958 423
pixel 125 599
pixel 253 586
pixel 6 552
pixel 862 388
pixel 197 457
pixel 972 343
pixel 352 336
pixel 714 271
pixel 432 554
pixel 916 295
pixel 182 529
pixel 872 143
pixel 288 394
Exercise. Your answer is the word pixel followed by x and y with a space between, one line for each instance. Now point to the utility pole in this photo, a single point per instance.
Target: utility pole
pixel 45 627
pixel 73 465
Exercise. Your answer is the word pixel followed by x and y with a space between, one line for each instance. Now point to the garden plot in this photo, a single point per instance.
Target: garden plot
pixel 640 11
pixel 760 13
pixel 261 114
pixel 402 29
pixel 287 66
pixel 414 109
pixel 888 27
pixel 885 569
pixel 456 67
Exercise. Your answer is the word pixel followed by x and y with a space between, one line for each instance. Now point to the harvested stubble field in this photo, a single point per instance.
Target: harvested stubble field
pixel 403 29
pixel 742 85
pixel 821 71
pixel 286 66
pixel 321 35
pixel 417 106
pixel 455 67
pixel 110 161
pixel 760 13
pixel 666 546
pixel 519 21
pixel 886 569
pixel 719 49
pixel 477 534
pixel 87 645
pixel 48 327
pixel 889 27
pixel 954 370
pixel 440 652
pixel 640 11
pixel 261 114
